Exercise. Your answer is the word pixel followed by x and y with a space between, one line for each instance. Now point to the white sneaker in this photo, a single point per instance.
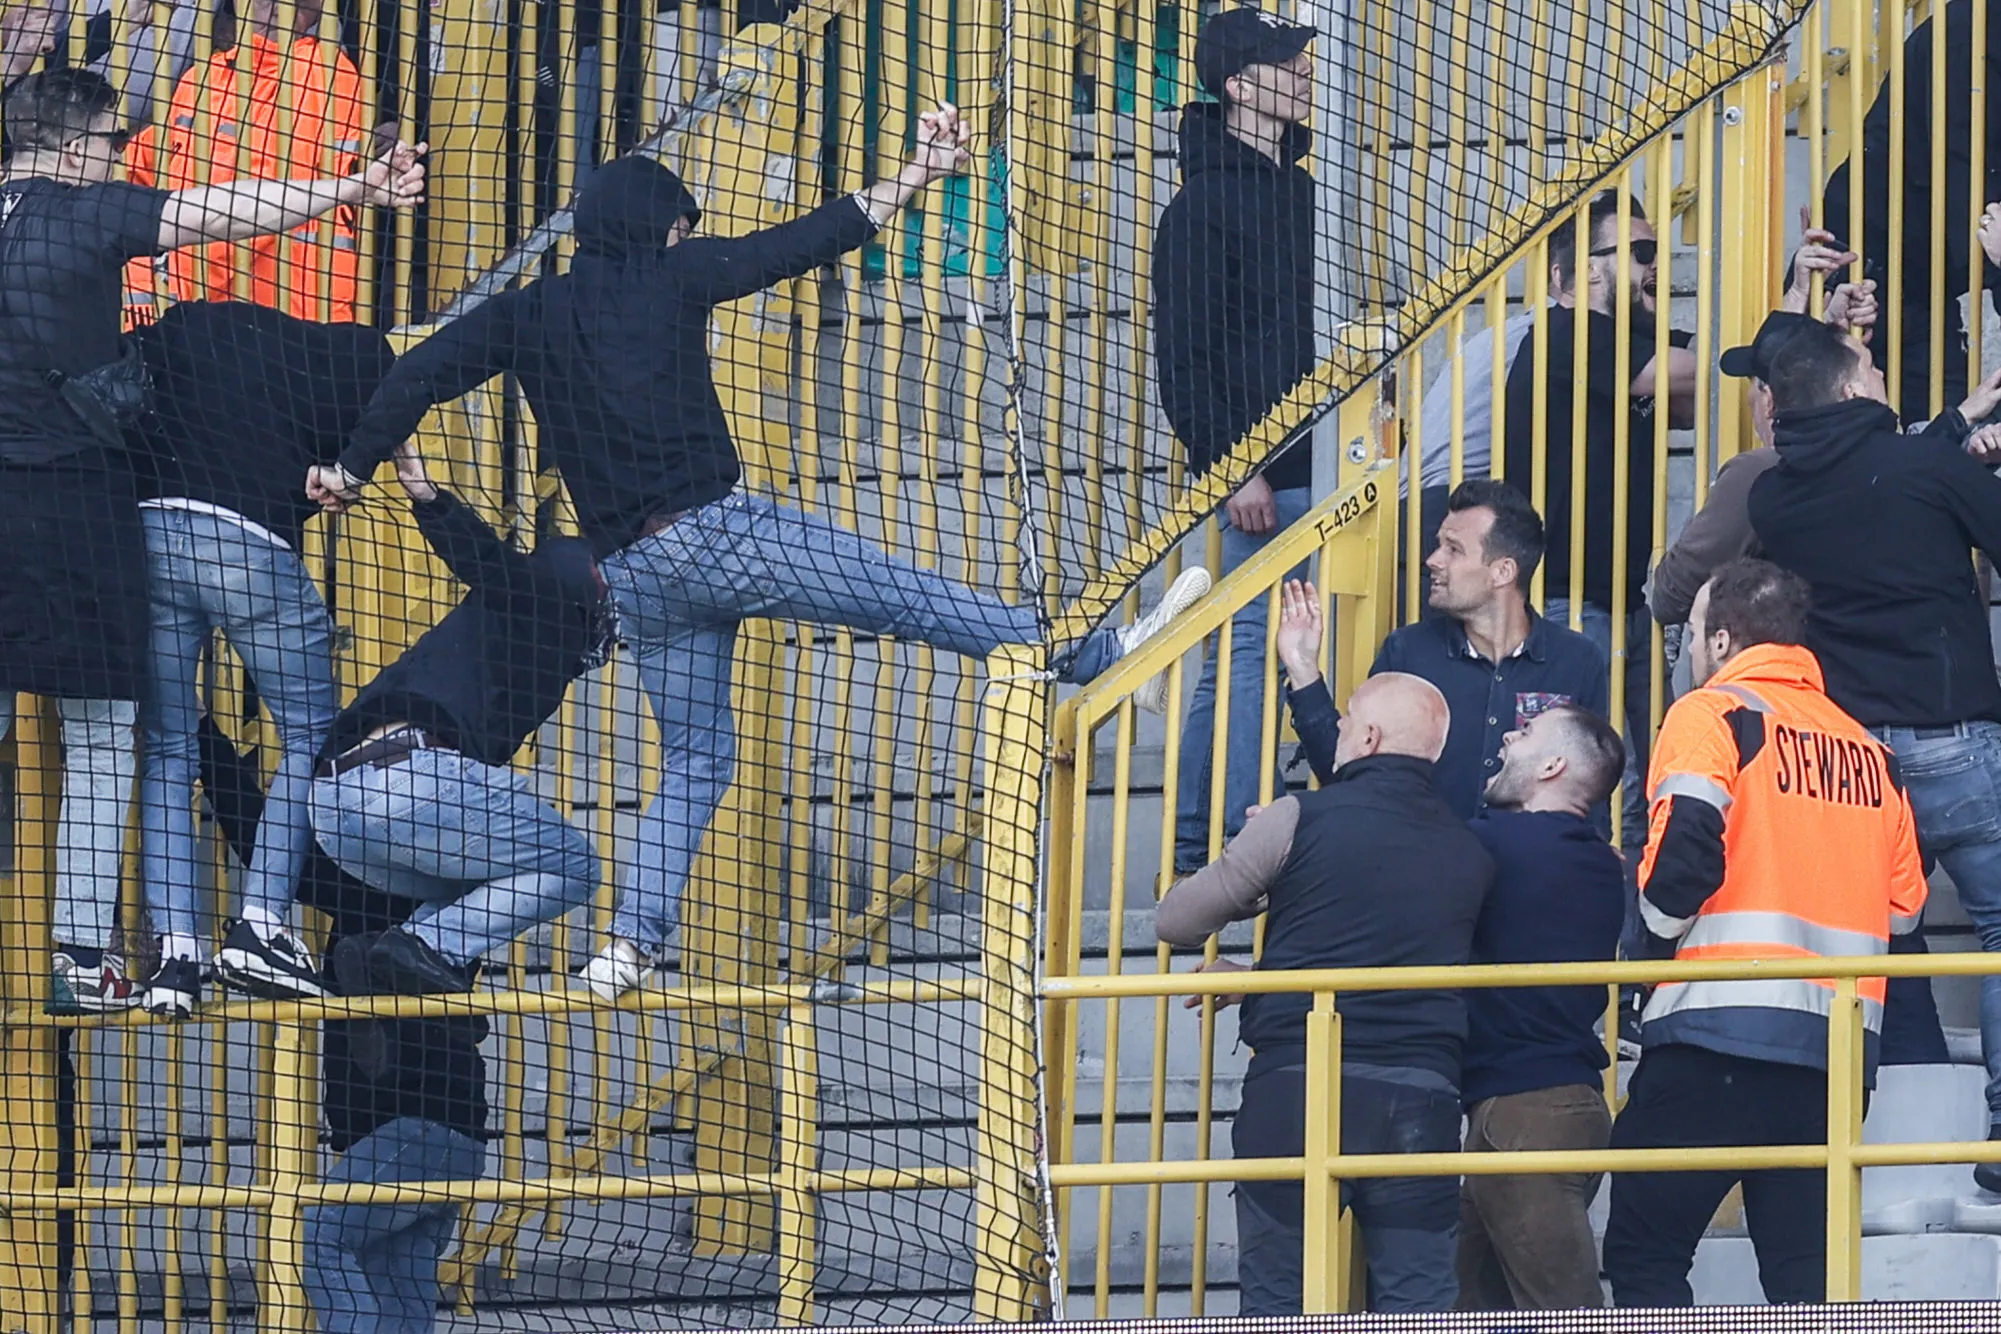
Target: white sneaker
pixel 1182 594
pixel 618 968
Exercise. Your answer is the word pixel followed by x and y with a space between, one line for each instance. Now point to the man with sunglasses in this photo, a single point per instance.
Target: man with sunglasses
pixel 73 587
pixel 1587 291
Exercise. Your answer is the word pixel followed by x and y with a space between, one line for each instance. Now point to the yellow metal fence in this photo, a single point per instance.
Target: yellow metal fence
pixel 881 398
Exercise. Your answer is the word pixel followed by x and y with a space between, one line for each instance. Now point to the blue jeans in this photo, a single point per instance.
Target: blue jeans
pixel 373 1268
pixel 207 574
pixel 1596 626
pixel 680 595
pixel 486 857
pixel 1954 782
pixel 1247 704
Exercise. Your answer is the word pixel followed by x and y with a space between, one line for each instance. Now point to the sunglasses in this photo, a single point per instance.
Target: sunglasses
pixel 1644 252
pixel 117 139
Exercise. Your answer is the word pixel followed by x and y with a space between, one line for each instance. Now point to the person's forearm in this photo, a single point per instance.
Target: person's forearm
pixel 242 209
pixel 884 198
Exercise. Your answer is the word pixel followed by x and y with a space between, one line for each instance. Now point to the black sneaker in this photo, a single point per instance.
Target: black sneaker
pixel 1987 1176
pixel 400 964
pixel 174 990
pixel 269 967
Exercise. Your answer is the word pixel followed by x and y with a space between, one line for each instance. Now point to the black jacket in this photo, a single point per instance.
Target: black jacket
pixel 1381 874
pixel 614 354
pixel 1960 206
pixel 1233 292
pixel 246 398
pixel 1881 524
pixel 488 674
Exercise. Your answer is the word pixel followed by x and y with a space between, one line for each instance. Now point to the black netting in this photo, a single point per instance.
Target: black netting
pixel 686 618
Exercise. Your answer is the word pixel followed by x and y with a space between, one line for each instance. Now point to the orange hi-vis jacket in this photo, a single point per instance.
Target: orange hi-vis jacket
pixel 205 130
pixel 1779 830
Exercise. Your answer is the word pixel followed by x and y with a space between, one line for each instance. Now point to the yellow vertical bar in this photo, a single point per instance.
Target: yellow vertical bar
pixel 1660 193
pixel 1323 1142
pixel 293 1115
pixel 1456 332
pixel 892 128
pixel 404 298
pixel 1005 1156
pixel 1698 159
pixel 1890 35
pixel 1844 1132
pixel 1580 404
pixel 1744 198
pixel 1411 381
pixel 1497 321
pixel 798 1162
pixel 28 1242
pixel 1622 469
pixel 1976 152
pixel 1538 348
pixel 1115 963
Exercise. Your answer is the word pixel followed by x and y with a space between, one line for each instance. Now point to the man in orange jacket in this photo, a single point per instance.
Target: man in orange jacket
pixel 306 119
pixel 1779 830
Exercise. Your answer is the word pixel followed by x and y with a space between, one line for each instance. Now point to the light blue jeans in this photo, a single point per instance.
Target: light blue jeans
pixel 1247 705
pixel 680 595
pixel 486 857
pixel 373 1268
pixel 1953 777
pixel 1596 626
pixel 208 574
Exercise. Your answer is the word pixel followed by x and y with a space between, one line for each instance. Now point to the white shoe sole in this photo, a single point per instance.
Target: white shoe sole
pixel 169 1004
pixel 240 970
pixel 1188 589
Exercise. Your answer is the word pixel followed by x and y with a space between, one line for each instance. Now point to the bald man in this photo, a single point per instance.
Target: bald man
pixel 1371 871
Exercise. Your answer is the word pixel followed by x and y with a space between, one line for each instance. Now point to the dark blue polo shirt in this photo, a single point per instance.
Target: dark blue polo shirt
pixel 1555 665
pixel 1559 896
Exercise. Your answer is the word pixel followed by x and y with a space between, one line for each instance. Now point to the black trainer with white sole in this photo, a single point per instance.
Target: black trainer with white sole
pixel 174 990
pixel 269 967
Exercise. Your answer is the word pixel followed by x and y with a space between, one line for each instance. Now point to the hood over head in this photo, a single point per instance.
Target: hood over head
pixel 627 208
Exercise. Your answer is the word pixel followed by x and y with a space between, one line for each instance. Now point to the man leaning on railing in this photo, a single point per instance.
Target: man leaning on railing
pixel 1779 827
pixel 1372 870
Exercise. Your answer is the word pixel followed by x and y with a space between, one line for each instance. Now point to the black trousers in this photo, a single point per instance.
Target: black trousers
pixel 1690 1097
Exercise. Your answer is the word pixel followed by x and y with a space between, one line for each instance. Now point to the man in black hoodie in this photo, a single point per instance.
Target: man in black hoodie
pixel 1371 871
pixel 1880 524
pixel 245 397
pixel 614 358
pixel 413 794
pixel 1233 282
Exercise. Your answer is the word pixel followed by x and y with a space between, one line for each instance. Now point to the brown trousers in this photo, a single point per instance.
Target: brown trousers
pixel 1525 1241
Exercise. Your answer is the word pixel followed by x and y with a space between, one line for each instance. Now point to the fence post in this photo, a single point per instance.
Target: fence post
pixel 1006 1171
pixel 1844 1132
pixel 294 1113
pixel 1324 1269
pixel 28 1053
pixel 1753 128
pixel 799 1130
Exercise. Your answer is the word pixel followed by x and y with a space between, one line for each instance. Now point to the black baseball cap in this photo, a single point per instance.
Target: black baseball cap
pixel 1754 362
pixel 1236 39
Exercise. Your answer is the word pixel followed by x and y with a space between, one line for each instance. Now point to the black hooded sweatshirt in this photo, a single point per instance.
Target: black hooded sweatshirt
pixel 246 398
pixel 614 355
pixel 1880 524
pixel 499 663
pixel 1233 291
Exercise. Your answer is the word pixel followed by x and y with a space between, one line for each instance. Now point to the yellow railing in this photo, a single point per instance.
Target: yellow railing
pixel 962 428
pixel 1324 1166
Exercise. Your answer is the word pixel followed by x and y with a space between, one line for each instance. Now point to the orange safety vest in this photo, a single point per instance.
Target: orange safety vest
pixel 1820 854
pixel 205 125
